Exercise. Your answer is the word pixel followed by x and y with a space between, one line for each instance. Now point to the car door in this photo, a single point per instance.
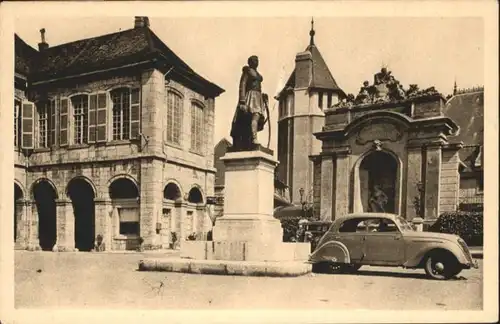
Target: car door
pixel 351 233
pixel 383 244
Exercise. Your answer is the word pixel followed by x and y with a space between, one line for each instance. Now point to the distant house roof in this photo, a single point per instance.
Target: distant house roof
pixel 110 51
pixel 467 110
pixel 321 77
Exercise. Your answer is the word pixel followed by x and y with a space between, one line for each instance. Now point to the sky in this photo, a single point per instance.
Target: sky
pixel 430 51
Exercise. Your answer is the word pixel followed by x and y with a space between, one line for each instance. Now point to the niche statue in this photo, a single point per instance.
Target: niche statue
pixel 249 116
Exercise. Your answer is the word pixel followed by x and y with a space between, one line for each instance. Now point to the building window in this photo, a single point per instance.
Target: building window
pixel 329 103
pixel 121 114
pixel 129 221
pixel 80 118
pixel 43 124
pixel 17 123
pixel 196 127
pixel 320 100
pixel 174 118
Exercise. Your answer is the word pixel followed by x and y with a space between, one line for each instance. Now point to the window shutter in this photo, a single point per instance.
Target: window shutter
pixel 63 122
pixel 135 113
pixel 16 123
pixel 101 119
pixel 92 117
pixel 52 114
pixel 28 109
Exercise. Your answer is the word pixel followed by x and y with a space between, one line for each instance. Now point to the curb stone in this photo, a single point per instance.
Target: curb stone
pixel 231 268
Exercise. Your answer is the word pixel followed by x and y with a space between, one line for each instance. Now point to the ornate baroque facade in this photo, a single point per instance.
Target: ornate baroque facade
pixel 390 148
pixel 113 138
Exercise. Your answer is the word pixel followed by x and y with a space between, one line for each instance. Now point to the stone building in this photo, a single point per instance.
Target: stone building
pixel 389 149
pixel 113 138
pixel 466 108
pixel 310 89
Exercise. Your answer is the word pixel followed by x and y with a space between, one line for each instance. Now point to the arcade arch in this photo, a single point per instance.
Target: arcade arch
pixel 377 183
pixel 45 195
pixel 82 194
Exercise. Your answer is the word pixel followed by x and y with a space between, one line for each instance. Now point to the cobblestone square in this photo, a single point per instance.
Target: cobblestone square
pixel 111 280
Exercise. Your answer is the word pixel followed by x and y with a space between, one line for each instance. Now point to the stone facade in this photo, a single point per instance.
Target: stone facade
pixel 393 145
pixel 141 187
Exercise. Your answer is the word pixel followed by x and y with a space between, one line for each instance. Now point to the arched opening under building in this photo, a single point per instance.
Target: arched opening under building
pixel 377 177
pixel 195 196
pixel 172 192
pixel 45 199
pixel 124 196
pixel 18 194
pixel 82 196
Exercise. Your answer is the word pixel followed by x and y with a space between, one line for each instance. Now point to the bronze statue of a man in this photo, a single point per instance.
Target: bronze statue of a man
pixel 249 118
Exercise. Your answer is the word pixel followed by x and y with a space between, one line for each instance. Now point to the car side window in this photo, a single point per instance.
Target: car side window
pixel 352 226
pixel 382 226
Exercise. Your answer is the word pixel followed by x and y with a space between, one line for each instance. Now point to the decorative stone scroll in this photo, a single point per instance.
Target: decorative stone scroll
pixel 380 132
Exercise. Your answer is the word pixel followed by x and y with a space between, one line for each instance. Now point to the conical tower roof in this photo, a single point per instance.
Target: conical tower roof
pixel 321 77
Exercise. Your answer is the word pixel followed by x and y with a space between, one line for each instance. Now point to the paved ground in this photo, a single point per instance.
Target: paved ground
pixel 48 279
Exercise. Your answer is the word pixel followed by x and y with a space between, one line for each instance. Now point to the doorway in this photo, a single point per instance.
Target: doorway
pixel 18 194
pixel 377 176
pixel 81 194
pixel 45 199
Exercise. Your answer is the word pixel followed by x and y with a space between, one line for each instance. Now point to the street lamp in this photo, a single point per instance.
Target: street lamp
pixel 302 201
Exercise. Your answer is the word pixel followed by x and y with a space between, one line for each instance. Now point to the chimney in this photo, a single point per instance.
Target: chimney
pixel 42 45
pixel 141 22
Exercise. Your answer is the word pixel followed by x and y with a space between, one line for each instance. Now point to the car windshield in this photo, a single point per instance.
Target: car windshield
pixel 403 224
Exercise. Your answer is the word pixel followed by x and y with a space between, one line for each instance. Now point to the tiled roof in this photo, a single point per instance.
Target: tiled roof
pixel 24 55
pixel 467 110
pixel 93 53
pixel 321 76
pixel 110 51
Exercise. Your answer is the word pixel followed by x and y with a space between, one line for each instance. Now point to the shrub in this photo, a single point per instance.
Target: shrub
pixel 468 225
pixel 290 227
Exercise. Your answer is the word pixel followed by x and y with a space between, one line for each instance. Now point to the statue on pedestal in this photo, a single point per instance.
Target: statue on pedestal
pixel 364 94
pixel 382 77
pixel 249 116
pixel 378 200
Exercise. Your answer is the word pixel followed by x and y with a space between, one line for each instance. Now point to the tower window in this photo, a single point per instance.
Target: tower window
pixel 320 100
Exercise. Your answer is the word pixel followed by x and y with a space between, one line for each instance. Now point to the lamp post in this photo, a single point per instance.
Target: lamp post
pixel 302 202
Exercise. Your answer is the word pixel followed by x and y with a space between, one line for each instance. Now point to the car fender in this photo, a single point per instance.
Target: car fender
pixel 414 258
pixel 331 251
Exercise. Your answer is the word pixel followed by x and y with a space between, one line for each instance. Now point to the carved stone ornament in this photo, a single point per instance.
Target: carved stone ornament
pixel 382 132
pixel 377 145
pixel 385 88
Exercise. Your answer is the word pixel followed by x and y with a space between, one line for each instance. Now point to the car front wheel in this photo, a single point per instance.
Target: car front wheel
pixel 441 266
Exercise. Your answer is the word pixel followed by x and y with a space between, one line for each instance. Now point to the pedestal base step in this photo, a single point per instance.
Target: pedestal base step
pixel 228 268
pixel 245 251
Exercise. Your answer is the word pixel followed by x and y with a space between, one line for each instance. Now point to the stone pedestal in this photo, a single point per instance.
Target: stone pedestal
pixel 247 231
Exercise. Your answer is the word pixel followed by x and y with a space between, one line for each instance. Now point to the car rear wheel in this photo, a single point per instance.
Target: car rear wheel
pixel 441 266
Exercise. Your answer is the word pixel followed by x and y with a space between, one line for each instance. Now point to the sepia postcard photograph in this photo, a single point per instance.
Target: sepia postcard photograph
pixel 249 162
